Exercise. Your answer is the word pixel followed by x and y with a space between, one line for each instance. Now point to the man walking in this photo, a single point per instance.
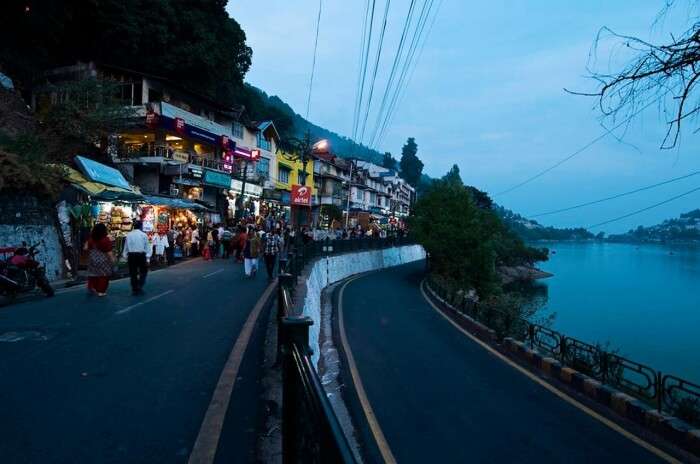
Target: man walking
pixel 137 251
pixel 272 248
pixel 251 252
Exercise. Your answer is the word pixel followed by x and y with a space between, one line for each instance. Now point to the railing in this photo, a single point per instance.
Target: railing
pixel 679 397
pixel 311 432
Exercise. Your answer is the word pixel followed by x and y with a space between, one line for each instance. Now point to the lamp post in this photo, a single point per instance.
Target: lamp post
pixel 347 207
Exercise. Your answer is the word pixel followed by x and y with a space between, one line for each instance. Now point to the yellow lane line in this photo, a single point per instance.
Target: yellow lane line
pixel 204 449
pixel 649 447
pixel 382 444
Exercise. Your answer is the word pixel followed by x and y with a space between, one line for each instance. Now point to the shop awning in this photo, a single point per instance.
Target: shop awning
pixel 98 190
pixel 178 203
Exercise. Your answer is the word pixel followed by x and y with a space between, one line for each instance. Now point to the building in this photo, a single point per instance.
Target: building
pixel 179 143
pixel 294 189
pixel 394 195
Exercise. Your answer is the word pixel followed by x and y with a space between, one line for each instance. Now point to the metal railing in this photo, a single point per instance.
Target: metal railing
pixel 311 432
pixel 668 393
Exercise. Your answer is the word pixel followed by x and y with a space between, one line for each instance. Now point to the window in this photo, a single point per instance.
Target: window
pixel 373 198
pixel 237 130
pixel 284 174
pixel 263 167
pixel 359 195
pixel 263 142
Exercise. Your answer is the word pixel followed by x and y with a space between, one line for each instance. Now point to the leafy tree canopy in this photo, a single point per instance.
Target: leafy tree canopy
pixel 466 243
pixel 452 177
pixel 388 161
pixel 195 44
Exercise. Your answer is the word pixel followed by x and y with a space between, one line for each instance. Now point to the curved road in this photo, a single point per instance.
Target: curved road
pixel 439 397
pixel 127 379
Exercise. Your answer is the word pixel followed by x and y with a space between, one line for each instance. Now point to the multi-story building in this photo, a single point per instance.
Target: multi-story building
pixel 395 195
pixel 179 143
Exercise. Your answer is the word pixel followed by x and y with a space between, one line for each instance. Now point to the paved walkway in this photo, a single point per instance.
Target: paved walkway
pixel 127 379
pixel 439 397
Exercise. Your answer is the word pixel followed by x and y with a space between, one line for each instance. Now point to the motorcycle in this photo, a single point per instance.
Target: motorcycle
pixel 22 273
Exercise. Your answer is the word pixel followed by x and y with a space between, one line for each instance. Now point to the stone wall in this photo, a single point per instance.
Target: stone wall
pixel 326 271
pixel 26 218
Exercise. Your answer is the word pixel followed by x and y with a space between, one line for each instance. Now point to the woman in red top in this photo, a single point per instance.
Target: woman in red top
pixel 100 260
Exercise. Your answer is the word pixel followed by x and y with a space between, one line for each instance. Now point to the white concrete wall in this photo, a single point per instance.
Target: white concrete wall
pixel 50 252
pixel 327 271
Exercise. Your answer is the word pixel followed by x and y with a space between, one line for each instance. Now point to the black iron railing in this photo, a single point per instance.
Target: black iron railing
pixel 667 393
pixel 311 432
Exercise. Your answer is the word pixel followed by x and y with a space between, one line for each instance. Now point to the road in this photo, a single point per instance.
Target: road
pixel 440 397
pixel 127 379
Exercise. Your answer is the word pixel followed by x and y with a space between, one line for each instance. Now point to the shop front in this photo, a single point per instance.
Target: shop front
pixel 179 217
pixel 244 202
pixel 300 201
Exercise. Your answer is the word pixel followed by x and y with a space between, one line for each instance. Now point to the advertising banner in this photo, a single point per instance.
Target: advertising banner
pixel 301 195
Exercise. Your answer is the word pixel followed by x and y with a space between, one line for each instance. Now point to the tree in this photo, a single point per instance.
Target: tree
pixel 452 177
pixel 195 44
pixel 388 161
pixel 411 165
pixel 666 74
pixel 466 243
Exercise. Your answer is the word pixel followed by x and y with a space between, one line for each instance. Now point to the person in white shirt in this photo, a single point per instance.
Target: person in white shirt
pixel 137 251
pixel 195 241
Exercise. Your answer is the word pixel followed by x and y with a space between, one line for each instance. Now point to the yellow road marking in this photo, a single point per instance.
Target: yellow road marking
pixel 204 449
pixel 382 444
pixel 649 447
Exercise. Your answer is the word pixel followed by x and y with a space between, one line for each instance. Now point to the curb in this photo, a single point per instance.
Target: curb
pixel 668 427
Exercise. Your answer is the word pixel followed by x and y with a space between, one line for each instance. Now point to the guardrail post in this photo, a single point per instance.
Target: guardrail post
pixel 659 391
pixel 562 348
pixel 295 329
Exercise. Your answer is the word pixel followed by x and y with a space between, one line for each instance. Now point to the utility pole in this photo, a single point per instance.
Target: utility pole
pixel 240 200
pixel 347 212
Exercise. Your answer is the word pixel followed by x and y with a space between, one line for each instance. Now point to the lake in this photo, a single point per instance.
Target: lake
pixel 644 300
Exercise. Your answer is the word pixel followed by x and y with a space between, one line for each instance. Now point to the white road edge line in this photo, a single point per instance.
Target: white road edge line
pixel 207 442
pixel 610 424
pixel 212 273
pixel 374 426
pixel 153 298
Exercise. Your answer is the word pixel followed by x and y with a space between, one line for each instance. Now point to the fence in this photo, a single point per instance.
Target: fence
pixel 311 432
pixel 667 393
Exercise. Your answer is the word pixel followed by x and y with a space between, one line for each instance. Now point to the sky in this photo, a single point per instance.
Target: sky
pixel 488 95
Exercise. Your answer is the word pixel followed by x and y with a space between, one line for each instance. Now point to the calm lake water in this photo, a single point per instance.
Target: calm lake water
pixel 644 300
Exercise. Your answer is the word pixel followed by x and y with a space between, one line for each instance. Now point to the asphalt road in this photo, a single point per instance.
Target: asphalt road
pixel 441 398
pixel 127 379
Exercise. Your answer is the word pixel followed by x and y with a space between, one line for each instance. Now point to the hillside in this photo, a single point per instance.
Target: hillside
pixel 685 228
pixel 527 229
pixel 260 105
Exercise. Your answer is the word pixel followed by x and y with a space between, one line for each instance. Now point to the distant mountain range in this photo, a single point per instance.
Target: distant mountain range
pixel 685 228
pixel 528 229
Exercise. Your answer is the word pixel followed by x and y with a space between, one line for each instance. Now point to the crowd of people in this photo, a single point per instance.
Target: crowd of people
pixel 246 243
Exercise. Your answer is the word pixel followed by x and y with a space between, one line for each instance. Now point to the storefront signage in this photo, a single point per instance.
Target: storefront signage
pixel 301 195
pixel 151 119
pixel 253 190
pixel 247 154
pixel 217 179
pixel 98 172
pixel 196 172
pixel 181 156
pixel 197 127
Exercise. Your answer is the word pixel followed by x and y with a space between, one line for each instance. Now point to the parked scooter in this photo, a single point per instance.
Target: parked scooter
pixel 22 273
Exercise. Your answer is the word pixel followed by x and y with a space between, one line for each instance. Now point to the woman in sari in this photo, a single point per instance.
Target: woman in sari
pixel 100 260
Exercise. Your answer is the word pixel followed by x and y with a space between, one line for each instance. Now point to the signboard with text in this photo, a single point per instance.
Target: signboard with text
pixel 301 195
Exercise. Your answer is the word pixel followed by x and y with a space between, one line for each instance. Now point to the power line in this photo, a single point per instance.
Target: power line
pixel 313 63
pixel 644 209
pixel 376 68
pixel 620 195
pixel 363 71
pixel 582 149
pixel 394 68
pixel 402 93
pixel 408 62
pixel 358 97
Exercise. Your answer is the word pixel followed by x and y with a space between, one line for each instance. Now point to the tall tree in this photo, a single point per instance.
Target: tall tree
pixel 389 161
pixel 452 177
pixel 411 165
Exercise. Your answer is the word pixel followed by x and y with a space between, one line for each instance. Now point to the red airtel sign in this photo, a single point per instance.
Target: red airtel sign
pixel 301 195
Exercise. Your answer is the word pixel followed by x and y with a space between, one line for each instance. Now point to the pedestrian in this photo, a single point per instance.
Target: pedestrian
pixel 137 251
pixel 226 237
pixel 194 240
pixel 242 240
pixel 272 249
pixel 170 250
pixel 215 242
pixel 100 260
pixel 251 253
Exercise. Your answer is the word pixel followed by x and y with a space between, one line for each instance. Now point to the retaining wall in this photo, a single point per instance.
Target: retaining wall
pixel 326 271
